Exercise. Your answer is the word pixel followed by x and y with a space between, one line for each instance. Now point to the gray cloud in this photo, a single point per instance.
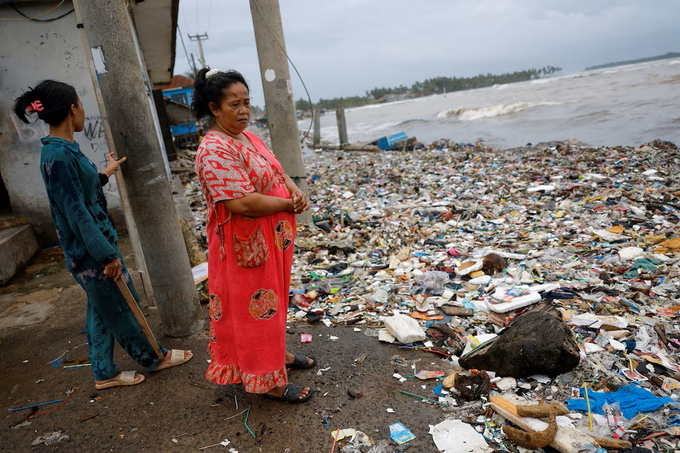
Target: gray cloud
pixel 346 47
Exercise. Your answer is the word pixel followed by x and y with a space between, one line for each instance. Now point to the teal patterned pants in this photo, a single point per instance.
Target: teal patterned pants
pixel 110 319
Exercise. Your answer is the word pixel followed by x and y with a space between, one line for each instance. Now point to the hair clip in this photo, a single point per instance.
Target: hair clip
pixel 36 106
pixel 212 72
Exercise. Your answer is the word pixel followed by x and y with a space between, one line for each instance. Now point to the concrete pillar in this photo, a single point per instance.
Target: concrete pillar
pixel 317 126
pixel 128 107
pixel 342 126
pixel 133 234
pixel 278 92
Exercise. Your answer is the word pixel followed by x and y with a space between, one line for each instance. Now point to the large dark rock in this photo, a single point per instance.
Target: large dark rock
pixel 537 342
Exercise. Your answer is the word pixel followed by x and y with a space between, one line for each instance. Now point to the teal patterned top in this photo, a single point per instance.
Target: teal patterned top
pixel 74 188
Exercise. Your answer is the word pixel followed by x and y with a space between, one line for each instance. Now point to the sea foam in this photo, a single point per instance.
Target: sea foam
pixel 471 114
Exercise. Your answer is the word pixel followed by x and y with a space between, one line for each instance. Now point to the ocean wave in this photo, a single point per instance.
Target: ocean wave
pixel 543 81
pixel 471 114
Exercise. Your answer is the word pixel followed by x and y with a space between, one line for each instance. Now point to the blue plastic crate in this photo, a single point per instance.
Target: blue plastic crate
pixel 388 142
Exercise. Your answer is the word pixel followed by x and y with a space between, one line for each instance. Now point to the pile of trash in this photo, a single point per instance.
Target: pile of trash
pixel 546 278
pixel 553 268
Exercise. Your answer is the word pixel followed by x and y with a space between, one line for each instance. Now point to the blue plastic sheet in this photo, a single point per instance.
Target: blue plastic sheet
pixel 631 398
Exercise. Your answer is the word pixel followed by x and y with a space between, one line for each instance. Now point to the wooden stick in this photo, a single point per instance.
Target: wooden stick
pixel 590 415
pixel 139 316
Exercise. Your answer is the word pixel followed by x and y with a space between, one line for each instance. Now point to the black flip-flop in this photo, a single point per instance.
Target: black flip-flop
pixel 291 394
pixel 301 363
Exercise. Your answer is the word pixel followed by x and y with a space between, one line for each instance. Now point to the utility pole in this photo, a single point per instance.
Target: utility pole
pixel 278 92
pixel 108 30
pixel 200 39
pixel 193 62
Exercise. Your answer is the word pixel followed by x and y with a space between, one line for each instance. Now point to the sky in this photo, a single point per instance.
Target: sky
pixel 347 47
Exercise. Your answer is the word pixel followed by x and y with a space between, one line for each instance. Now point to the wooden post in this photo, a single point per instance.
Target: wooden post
pixel 316 113
pixel 342 126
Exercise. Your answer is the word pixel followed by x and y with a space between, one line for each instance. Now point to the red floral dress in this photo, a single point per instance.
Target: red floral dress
pixel 249 264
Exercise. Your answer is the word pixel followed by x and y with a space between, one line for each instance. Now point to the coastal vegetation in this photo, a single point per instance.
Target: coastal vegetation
pixel 428 87
pixel 639 60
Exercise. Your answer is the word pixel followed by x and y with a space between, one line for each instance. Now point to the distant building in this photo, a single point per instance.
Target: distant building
pixel 181 94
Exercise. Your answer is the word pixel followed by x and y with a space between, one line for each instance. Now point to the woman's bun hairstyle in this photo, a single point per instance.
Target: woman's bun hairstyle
pixel 209 89
pixel 50 99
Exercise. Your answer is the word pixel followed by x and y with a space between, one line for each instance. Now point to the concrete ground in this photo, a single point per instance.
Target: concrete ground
pixel 42 317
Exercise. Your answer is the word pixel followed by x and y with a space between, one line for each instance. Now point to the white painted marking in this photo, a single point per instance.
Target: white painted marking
pixel 155 180
pixel 98 59
pixel 149 166
pixel 269 75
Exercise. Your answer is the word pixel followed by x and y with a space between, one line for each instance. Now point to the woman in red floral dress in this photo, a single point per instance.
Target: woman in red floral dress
pixel 251 230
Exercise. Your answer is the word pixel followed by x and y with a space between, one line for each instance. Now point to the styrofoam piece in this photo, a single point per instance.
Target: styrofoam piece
pixel 454 436
pixel 475 267
pixel 630 253
pixel 385 336
pixel 595 322
pixel 516 303
pixel 480 339
pixel 508 255
pixel 482 280
pixel 480 305
pixel 544 287
pixel 404 328
pixel 617 345
pixel 592 347
pixel 506 383
pixel 501 293
pixel 609 236
pixel 543 187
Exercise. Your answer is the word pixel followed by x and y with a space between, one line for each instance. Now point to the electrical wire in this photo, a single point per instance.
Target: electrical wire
pixel 197 21
pixel 209 15
pixel 191 67
pixel 293 65
pixel 34 17
pixel 41 20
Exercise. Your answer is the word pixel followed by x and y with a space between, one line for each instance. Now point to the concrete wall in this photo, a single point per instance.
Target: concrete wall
pixel 30 52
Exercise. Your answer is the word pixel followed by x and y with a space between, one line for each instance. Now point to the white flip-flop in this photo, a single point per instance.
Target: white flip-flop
pixel 124 378
pixel 176 358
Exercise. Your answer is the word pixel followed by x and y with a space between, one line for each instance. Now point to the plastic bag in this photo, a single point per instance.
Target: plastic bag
pixel 382 446
pixel 433 279
pixel 616 422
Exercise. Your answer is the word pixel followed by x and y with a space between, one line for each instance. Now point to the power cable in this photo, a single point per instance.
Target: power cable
pixel 33 17
pixel 191 67
pixel 197 21
pixel 293 65
pixel 209 15
pixel 41 20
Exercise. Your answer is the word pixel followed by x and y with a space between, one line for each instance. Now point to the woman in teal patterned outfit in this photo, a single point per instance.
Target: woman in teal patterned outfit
pixel 88 236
